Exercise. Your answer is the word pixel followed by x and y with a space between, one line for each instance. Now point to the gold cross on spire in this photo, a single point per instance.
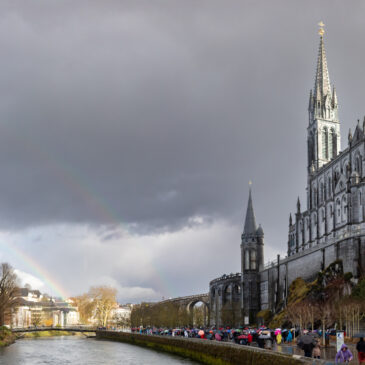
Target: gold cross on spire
pixel 250 183
pixel 321 30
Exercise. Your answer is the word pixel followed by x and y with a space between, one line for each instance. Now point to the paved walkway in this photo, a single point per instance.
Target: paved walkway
pixel 327 353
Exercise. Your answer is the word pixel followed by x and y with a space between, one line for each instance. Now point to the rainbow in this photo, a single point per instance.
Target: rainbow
pixel 36 270
pixel 74 181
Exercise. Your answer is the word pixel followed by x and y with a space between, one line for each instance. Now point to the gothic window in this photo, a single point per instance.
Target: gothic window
pixel 332 143
pixel 323 215
pixel 325 143
pixel 314 197
pixel 253 260
pixel 322 197
pixel 347 170
pixel 360 208
pixel 247 260
pixel 329 190
pixel 344 208
pixel 314 226
pixel 338 208
pixel 358 165
pixel 337 177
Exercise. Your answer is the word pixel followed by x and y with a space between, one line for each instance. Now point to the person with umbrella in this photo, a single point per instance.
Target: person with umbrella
pixel 306 343
pixel 344 355
pixel 360 347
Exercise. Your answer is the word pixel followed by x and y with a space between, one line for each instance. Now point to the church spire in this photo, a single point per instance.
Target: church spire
pixel 322 86
pixel 324 126
pixel 250 221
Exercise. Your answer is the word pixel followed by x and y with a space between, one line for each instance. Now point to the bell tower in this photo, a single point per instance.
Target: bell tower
pixel 252 261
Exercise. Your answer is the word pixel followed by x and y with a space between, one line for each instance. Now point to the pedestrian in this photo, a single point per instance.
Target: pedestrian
pixel 249 338
pixel 308 348
pixel 306 344
pixel 289 338
pixel 327 338
pixel 278 338
pixel 344 355
pixel 317 351
pixel 360 347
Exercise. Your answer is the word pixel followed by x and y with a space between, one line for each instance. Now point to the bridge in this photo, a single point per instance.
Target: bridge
pixel 189 302
pixel 68 329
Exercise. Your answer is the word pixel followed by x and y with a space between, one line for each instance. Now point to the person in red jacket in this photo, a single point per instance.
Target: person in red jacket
pixel 249 338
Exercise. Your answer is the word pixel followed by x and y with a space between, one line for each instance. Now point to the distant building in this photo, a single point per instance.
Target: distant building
pixel 34 309
pixel 331 228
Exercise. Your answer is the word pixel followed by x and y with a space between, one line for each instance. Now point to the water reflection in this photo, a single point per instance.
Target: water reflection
pixel 82 351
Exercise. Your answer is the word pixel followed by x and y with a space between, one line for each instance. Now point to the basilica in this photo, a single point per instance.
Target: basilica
pixel 331 228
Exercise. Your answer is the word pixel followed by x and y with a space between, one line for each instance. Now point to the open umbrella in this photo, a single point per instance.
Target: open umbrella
pixel 307 339
pixel 242 337
pixel 201 333
pixel 218 337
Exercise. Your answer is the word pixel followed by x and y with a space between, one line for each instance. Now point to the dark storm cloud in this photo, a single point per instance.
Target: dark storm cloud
pixel 149 113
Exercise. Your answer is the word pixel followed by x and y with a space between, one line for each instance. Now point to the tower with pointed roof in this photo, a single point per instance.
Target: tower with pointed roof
pixel 324 126
pixel 252 261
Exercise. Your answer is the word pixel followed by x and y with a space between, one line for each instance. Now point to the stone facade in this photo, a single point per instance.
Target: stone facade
pixel 333 226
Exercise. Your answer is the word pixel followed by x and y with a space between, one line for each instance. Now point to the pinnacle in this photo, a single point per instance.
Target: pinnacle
pixel 322 85
pixel 250 221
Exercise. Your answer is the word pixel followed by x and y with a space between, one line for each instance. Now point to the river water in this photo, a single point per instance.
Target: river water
pixel 70 350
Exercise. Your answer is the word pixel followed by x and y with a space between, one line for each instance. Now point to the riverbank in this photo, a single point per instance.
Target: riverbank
pixel 207 352
pixel 6 337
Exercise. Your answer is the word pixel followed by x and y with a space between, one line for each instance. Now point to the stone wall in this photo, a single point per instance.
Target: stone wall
pixel 207 352
pixel 274 282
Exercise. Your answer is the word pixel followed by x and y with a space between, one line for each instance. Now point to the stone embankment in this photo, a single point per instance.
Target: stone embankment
pixel 208 352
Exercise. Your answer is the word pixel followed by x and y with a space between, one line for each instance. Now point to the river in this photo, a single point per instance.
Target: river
pixel 70 350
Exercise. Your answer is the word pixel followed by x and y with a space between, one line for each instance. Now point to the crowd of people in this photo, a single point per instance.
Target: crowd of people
pixel 308 342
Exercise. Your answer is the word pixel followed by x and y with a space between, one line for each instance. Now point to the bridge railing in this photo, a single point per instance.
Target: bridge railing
pixel 189 297
pixel 77 328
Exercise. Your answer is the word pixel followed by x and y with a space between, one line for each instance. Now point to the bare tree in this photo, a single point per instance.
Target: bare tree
pixel 85 306
pixel 105 299
pixel 8 290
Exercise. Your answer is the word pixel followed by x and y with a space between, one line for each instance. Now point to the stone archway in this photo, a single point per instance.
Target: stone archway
pixel 204 311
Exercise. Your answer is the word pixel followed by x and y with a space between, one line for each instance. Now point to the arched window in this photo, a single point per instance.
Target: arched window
pixel 322 197
pixel 360 208
pixel 332 144
pixel 314 226
pixel 314 197
pixel 358 165
pixel 253 260
pixel 325 143
pixel 329 189
pixel 247 260
pixel 344 208
pixel 338 208
pixel 347 170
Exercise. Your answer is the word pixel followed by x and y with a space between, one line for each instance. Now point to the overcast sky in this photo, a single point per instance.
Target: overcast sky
pixel 129 131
